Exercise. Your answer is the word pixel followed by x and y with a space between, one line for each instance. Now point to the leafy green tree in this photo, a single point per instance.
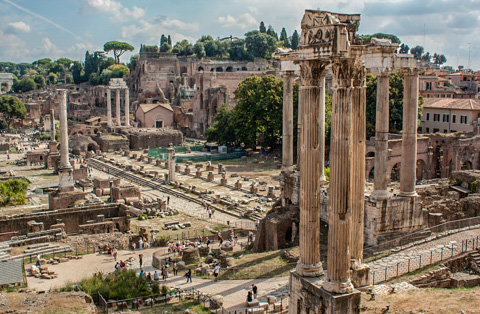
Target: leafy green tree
pixel 25 85
pixel 258 111
pixel 271 32
pixel 238 52
pixel 166 47
pixel 77 72
pixel 39 80
pixel 284 38
pixel 13 191
pixel 439 58
pixel 183 48
pixel 295 40
pixel 260 45
pixel 223 130
pixel 427 57
pixel 118 48
pixel 417 51
pixel 262 27
pixel 52 78
pixel 169 40
pixel 163 39
pixel 43 65
pixel 211 48
pixel 133 62
pixel 69 79
pixel 199 50
pixel 11 108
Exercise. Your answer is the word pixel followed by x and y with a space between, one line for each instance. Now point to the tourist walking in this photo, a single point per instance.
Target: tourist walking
pixel 140 243
pixel 189 275
pixel 134 245
pixel 216 271
pixel 140 259
pixel 175 268
pixel 254 290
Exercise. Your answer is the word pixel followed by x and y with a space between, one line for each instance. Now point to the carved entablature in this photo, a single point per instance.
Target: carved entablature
pixel 329 34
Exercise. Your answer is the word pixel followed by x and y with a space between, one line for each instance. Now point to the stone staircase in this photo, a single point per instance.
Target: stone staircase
pixel 475 255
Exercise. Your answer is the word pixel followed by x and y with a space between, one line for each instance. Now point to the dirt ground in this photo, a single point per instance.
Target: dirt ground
pixel 426 301
pixel 46 303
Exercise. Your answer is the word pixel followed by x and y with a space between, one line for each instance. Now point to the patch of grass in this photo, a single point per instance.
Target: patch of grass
pixel 194 307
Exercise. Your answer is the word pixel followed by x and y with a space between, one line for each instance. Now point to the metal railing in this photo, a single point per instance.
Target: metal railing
pixel 425 259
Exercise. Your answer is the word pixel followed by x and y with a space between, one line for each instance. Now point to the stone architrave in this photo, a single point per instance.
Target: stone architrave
pixel 117 107
pixel 65 170
pixel 409 135
pixel 381 138
pixel 127 107
pixel 109 107
pixel 287 135
pixel 310 264
pixel 347 172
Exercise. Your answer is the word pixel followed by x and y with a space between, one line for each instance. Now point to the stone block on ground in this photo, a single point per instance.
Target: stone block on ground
pixel 216 302
pixel 271 299
pixel 253 303
pixel 263 305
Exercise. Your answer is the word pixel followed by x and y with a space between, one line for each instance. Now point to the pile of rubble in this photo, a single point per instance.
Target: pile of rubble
pixel 175 225
pixel 87 241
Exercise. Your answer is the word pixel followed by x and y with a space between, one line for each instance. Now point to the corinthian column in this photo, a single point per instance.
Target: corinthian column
pixel 109 107
pixel 347 173
pixel 171 164
pixel 322 128
pixel 409 135
pixel 381 138
pixel 65 170
pixel 309 264
pixel 52 126
pixel 117 103
pixel 127 107
pixel 287 136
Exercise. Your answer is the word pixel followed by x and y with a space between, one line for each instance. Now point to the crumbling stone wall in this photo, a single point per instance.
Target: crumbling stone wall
pixel 144 139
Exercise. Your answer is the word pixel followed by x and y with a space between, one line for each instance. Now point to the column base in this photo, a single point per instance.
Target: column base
pixel 407 194
pixel 323 178
pixel 338 287
pixel 65 179
pixel 308 296
pixel 307 270
pixel 379 195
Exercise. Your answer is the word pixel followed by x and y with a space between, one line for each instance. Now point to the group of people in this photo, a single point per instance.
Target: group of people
pixel 252 294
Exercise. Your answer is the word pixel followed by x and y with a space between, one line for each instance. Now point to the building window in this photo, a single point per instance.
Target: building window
pixel 159 124
pixel 436 130
pixel 454 118
pixel 428 130
pixel 428 116
pixel 445 131
pixel 420 129
pixel 446 118
pixel 463 119
pixel 453 131
pixel 428 85
pixel 428 95
pixel 436 117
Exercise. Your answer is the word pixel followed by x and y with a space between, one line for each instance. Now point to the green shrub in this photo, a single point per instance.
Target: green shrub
pixel 142 217
pixel 474 186
pixel 13 191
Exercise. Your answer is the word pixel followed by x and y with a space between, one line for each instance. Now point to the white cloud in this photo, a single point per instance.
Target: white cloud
pixel 149 33
pixel 12 48
pixel 118 11
pixel 177 24
pixel 17 27
pixel 242 21
pixel 49 49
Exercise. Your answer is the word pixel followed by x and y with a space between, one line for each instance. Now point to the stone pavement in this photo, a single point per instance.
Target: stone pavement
pixel 233 291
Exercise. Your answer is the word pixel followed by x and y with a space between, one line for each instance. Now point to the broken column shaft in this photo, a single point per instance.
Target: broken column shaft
pixel 65 170
pixel 109 107
pixel 127 107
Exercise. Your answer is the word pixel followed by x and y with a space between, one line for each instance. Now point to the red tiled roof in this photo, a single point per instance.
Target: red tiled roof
pixel 449 103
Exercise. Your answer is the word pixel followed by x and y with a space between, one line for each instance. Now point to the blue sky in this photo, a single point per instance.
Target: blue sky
pixel 34 29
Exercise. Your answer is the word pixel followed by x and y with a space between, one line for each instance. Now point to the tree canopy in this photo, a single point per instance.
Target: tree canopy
pixel 11 108
pixel 392 37
pixel 118 48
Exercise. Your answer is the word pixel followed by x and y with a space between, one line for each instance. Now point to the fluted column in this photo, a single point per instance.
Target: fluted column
pixel 310 264
pixel 117 103
pixel 409 135
pixel 381 138
pixel 127 107
pixel 347 172
pixel 287 136
pixel 65 170
pixel 109 107
pixel 52 126
pixel 322 127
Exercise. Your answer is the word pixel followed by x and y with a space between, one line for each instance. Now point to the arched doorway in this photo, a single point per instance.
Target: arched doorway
pixel 395 172
pixel 371 154
pixel 200 69
pixel 371 174
pixel 229 69
pixel 219 69
pixel 467 165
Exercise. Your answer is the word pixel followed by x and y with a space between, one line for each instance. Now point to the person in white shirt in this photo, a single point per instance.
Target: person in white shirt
pixel 216 271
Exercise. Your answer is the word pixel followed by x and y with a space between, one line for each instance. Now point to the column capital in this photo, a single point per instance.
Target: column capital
pixel 288 73
pixel 349 73
pixel 410 71
pixel 311 71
